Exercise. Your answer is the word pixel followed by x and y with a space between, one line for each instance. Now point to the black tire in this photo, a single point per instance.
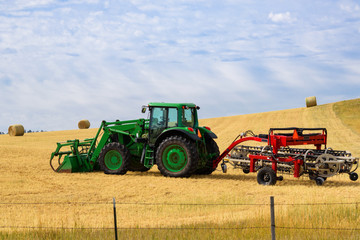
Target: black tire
pixel 136 166
pixel 224 168
pixel 266 176
pixel 177 157
pixel 246 170
pixel 212 148
pixel 114 158
pixel 353 176
pixel 319 181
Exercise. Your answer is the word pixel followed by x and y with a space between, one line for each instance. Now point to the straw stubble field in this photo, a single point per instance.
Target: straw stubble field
pixel 211 204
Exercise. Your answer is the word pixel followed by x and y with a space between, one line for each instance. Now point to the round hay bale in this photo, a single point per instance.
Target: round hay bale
pixel 311 101
pixel 16 130
pixel 84 124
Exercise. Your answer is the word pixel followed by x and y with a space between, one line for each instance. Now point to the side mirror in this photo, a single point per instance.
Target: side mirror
pixel 197 107
pixel 143 109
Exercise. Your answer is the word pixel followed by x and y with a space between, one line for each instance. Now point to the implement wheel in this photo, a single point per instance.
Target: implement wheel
pixel 353 176
pixel 319 181
pixel 114 158
pixel 266 176
pixel 177 157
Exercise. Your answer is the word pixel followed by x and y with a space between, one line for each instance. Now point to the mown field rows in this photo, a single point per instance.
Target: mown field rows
pixel 26 177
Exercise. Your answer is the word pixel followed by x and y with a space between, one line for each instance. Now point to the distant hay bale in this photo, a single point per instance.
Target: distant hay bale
pixel 311 101
pixel 84 124
pixel 16 130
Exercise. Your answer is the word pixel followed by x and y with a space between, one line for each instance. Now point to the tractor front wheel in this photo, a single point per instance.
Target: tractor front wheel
pixel 114 158
pixel 177 157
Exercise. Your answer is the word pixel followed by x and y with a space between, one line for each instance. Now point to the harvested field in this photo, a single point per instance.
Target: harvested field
pixel 32 195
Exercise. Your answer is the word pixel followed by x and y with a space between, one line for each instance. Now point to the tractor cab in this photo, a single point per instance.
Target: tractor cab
pixel 166 116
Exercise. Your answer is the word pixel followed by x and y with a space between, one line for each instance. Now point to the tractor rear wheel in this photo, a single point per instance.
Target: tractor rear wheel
pixel 266 176
pixel 177 156
pixel 114 158
pixel 213 150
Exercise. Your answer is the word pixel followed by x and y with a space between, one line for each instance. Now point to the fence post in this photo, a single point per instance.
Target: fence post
pixel 272 213
pixel 115 222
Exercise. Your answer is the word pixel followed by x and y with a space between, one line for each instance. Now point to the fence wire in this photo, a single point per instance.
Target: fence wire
pixel 177 204
pixel 178 228
pixel 133 228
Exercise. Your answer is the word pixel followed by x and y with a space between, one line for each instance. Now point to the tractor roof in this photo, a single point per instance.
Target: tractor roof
pixel 177 105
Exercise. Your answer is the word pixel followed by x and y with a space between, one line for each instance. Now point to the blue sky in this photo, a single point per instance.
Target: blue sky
pixel 62 61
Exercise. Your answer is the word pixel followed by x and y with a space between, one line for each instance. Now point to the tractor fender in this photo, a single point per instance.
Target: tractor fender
pixel 179 132
pixel 204 130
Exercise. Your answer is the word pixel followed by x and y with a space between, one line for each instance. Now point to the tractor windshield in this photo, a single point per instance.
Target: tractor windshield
pixel 162 118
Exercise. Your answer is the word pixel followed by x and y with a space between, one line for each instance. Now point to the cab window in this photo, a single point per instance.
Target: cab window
pixel 172 117
pixel 188 117
pixel 158 119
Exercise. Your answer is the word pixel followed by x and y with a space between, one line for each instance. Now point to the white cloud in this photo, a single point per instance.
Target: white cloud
pixel 350 7
pixel 281 17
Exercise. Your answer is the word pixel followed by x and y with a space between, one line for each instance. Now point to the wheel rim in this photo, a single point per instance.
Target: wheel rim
pixel 266 177
pixel 113 160
pixel 174 158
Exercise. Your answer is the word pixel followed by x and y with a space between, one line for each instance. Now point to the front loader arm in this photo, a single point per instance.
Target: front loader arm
pixel 108 131
pixel 95 154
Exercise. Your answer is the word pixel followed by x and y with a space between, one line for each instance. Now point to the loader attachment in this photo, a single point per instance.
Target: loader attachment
pixel 72 156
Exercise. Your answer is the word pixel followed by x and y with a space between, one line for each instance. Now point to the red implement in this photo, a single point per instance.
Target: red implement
pixel 278 156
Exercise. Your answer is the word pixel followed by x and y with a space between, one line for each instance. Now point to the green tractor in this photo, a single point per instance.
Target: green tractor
pixel 171 138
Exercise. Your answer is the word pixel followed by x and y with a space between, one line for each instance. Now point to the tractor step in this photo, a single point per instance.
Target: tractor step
pixel 149 157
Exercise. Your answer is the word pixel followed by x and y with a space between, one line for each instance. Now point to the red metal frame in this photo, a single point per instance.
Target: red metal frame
pixel 277 141
pixel 226 152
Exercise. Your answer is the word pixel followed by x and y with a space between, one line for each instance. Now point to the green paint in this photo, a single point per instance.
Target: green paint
pixel 174 158
pixel 113 160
